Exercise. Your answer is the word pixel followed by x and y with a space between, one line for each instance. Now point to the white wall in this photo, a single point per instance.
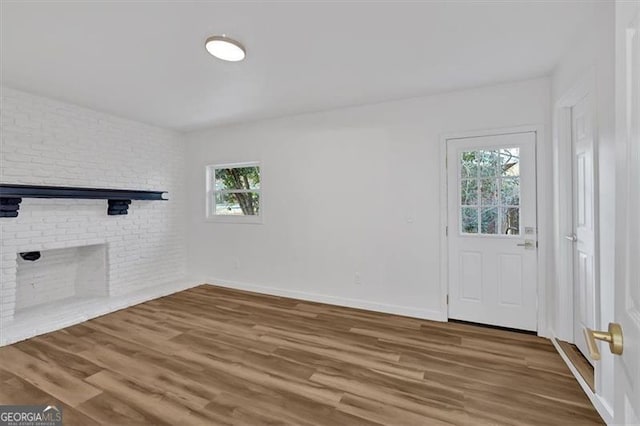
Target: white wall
pixel 53 143
pixel 593 53
pixel 347 191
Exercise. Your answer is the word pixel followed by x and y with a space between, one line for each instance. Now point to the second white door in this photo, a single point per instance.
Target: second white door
pixel 584 236
pixel 492 235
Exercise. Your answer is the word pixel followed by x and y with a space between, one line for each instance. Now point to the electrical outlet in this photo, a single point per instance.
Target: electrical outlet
pixel 356 279
pixel 236 263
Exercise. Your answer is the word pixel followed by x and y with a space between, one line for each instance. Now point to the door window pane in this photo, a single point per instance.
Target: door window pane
pixel 468 165
pixel 510 221
pixel 510 161
pixel 510 192
pixel 488 162
pixel 469 192
pixel 489 220
pixel 469 220
pixel 490 191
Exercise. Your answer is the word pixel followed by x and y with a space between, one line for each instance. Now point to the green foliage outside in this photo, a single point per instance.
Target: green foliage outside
pixel 245 179
pixel 490 191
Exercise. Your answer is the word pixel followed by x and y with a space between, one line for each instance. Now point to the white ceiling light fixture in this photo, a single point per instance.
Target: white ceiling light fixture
pixel 225 48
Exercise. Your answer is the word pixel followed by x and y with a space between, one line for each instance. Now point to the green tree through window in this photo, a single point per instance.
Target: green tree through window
pixel 490 191
pixel 237 191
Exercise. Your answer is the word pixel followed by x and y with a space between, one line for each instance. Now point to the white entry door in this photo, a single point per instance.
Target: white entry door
pixel 492 230
pixel 627 285
pixel 583 237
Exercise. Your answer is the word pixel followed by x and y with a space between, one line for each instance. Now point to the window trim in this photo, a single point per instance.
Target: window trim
pixel 210 206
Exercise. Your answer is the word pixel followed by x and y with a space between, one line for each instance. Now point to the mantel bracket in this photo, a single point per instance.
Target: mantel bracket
pixel 118 207
pixel 9 207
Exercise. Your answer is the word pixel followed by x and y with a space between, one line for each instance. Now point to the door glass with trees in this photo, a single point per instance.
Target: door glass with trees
pixel 490 191
pixel 234 190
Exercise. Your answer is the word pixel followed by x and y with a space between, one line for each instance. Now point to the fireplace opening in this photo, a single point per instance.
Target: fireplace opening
pixel 60 276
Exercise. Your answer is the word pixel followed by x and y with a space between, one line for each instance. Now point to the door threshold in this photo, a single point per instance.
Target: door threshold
pixel 495 327
pixel 582 365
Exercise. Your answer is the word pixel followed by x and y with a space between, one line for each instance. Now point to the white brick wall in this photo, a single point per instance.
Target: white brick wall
pixel 48 142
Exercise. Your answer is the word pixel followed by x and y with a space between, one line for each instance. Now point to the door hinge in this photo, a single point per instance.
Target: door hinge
pixel 447 299
pixel 446 231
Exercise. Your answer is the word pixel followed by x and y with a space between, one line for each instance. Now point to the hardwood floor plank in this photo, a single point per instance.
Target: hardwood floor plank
pixel 386 414
pixel 58 357
pixel 273 408
pixel 262 361
pixel 190 391
pixel 307 389
pixel 107 408
pixel 17 391
pixel 212 355
pixel 368 350
pixel 142 396
pixel 393 397
pixel 64 339
pixel 346 357
pixel 56 381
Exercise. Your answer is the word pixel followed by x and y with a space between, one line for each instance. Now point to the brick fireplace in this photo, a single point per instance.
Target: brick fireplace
pixel 141 255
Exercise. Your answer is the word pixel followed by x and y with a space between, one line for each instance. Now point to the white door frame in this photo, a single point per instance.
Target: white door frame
pixel 563 206
pixel 543 204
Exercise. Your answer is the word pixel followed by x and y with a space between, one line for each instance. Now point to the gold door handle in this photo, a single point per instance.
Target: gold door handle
pixel 613 337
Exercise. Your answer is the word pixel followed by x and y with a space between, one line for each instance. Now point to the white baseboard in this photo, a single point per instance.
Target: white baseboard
pixel 601 406
pixel 407 311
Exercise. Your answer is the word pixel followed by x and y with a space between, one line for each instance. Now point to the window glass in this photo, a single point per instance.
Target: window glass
pixel 237 203
pixel 490 191
pixel 469 192
pixel 469 220
pixel 234 190
pixel 237 178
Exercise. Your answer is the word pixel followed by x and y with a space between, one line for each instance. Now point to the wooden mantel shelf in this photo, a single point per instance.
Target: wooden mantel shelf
pixel 118 199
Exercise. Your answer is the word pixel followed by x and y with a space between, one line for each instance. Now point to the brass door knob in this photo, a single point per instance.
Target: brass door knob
pixel 613 337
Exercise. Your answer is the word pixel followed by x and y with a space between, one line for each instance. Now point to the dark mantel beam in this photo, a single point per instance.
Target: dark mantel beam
pixel 119 199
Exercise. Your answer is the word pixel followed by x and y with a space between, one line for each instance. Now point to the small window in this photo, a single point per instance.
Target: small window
pixel 234 192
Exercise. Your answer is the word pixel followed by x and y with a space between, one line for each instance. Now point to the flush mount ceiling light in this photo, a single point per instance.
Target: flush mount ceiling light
pixel 225 48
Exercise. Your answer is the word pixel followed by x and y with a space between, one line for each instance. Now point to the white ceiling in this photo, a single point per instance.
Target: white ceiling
pixel 146 60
